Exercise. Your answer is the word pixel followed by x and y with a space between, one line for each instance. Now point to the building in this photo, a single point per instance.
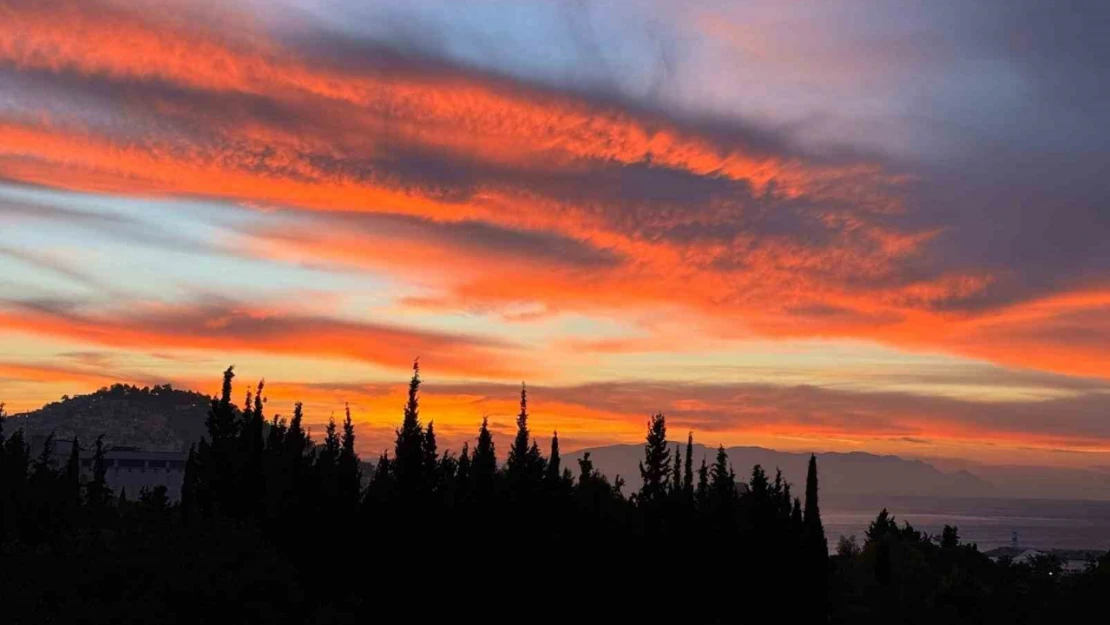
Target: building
pixel 131 469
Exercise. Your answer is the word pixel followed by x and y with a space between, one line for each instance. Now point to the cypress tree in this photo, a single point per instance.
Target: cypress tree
pixel 408 453
pixel 221 417
pixel 554 461
pixel 463 475
pixel 517 463
pixel 655 469
pixel 814 530
pixel 688 474
pixel 722 481
pixel 462 471
pixel 676 472
pixel 815 547
pixel 812 515
pixel 431 455
pixel 350 472
pixel 702 494
pixel 329 455
pixel 295 437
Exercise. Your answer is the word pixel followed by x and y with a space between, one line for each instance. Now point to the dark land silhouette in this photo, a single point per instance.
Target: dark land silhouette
pixel 274 527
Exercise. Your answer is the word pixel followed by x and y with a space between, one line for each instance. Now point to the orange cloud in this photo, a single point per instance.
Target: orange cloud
pixel 766 243
pixel 226 329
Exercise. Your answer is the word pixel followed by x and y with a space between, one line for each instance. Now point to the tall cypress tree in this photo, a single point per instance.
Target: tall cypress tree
pixel 408 453
pixel 329 455
pixel 350 472
pixel 554 461
pixel 221 415
pixel 518 466
pixel 688 474
pixel 813 528
pixel 676 472
pixel 655 469
pixel 815 548
pixel 702 493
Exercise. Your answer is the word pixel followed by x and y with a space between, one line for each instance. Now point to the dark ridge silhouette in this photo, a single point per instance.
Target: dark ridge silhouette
pixel 273 527
pixel 153 418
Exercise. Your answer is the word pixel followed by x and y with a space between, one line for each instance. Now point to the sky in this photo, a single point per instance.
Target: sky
pixel 812 226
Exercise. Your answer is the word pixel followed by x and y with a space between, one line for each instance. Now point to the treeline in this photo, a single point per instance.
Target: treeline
pixel 273 527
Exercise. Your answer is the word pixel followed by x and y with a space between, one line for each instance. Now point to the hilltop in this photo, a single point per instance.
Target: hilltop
pixel 158 418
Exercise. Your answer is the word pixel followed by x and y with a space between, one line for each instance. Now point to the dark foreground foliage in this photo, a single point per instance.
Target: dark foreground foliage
pixel 276 528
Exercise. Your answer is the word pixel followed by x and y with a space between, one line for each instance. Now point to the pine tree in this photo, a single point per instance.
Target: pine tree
pixel 655 468
pixel 408 453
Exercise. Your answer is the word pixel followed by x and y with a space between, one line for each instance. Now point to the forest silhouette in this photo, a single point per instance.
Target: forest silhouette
pixel 274 527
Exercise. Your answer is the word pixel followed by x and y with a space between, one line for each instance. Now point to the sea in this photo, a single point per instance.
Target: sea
pixel 1033 523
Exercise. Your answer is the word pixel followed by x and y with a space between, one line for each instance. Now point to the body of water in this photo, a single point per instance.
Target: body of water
pixel 1039 524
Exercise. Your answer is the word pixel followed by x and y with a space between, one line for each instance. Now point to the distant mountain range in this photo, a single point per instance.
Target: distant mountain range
pixel 166 419
pixel 858 473
pixel 840 473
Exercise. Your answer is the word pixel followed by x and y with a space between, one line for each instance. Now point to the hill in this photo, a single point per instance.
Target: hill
pixel 158 418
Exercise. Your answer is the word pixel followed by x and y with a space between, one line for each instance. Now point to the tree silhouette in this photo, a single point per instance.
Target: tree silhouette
pixel 554 462
pixel 655 469
pixel 688 473
pixel 676 473
pixel 408 453
pixel 815 546
pixel 516 465
pixel 483 466
pixel 348 467
pixel 247 562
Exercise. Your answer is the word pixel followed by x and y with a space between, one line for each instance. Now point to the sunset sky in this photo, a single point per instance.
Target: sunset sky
pixel 837 225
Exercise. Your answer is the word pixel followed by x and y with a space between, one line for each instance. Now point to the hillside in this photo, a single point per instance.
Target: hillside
pixel 156 419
